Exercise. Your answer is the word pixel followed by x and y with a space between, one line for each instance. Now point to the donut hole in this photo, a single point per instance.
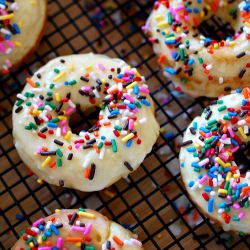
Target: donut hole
pixel 83 120
pixel 242 158
pixel 98 237
pixel 216 28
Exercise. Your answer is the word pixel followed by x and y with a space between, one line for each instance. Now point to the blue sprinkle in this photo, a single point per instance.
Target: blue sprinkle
pixel 174 55
pixel 103 137
pixel 237 193
pixel 240 186
pixel 54 229
pixel 239 90
pixel 170 41
pixel 195 165
pixel 41 227
pixel 191 61
pixel 189 10
pixel 195 125
pixel 169 135
pixel 234 142
pixel 127 226
pixel 131 106
pixel 182 165
pixel 48 233
pixel 66 83
pixel 119 76
pixel 244 102
pixel 16 28
pixel 200 176
pixel 7 37
pixel 136 90
pixel 212 169
pixel 210 205
pixel 232 113
pixel 129 143
pixel 115 112
pixel 19 216
pixel 191 183
pixel 52 125
pixel 246 7
pixel 208 189
pixel 196 10
pixel 211 175
pixel 145 102
pixel 222 205
pixel 199 1
pixel 191 149
pixel 204 130
pixel 226 170
pixel 171 71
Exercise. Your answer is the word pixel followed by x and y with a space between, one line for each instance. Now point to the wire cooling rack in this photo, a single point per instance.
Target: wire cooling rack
pixel 152 201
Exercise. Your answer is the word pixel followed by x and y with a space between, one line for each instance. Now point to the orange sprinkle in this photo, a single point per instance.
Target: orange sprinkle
pixel 48 243
pixel 196 21
pixel 106 123
pixel 86 74
pixel 96 134
pixel 100 117
pixel 74 239
pixel 118 80
pixel 52 164
pixel 246 92
pixel 202 133
pixel 96 148
pixel 161 58
pixel 215 5
pixel 118 241
pixel 248 119
pixel 112 105
pixel 70 147
pixel 87 172
pixel 52 218
pixel 30 82
pixel 31 111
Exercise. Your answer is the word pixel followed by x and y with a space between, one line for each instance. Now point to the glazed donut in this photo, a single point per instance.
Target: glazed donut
pixel 215 174
pixel 22 24
pixel 77 229
pixel 111 149
pixel 200 65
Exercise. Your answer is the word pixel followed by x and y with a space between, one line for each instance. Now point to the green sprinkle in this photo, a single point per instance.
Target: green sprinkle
pixel 19 102
pixel 30 239
pixel 55 120
pixel 52 85
pixel 44 237
pixel 183 79
pixel 73 82
pixel 28 127
pixel 117 127
pixel 114 146
pixel 220 169
pixel 236 218
pixel 59 162
pixel 220 101
pixel 26 94
pixel 41 108
pixel 100 145
pixel 81 209
pixel 200 59
pixel 197 169
pixel 229 191
pixel 226 186
pixel 242 234
pixel 52 105
pixel 221 108
pixel 170 20
pixel 59 152
pixel 226 117
pixel 38 84
pixel 246 204
pixel 28 103
pixel 182 54
pixel 137 104
pixel 89 247
pixel 227 209
pixel 33 125
pixel 57 71
pixel 49 93
pixel 212 122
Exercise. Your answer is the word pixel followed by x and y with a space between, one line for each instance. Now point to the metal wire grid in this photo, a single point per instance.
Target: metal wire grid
pixel 150 201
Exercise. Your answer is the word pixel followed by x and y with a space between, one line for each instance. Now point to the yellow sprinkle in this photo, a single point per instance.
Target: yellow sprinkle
pixel 162 24
pixel 87 215
pixel 202 14
pixel 6 17
pixel 68 135
pixel 166 31
pixel 78 244
pixel 20 24
pixel 46 161
pixel 128 137
pixel 196 145
pixel 104 80
pixel 33 2
pixel 131 85
pixel 178 29
pixel 158 17
pixel 228 177
pixel 59 76
pixel 88 68
pixel 216 46
pixel 62 117
pixel 236 176
pixel 71 67
pixel 39 181
pixel 221 162
pixel 247 24
pixel 57 210
pixel 58 97
pixel 208 7
pixel 242 133
pixel 222 191
pixel 39 239
pixel 31 244
pixel 18 44
pixel 232 43
pixel 135 124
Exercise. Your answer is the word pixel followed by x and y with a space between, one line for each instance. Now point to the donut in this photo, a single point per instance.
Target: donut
pixel 22 24
pixel 214 167
pixel 95 158
pixel 193 59
pixel 76 229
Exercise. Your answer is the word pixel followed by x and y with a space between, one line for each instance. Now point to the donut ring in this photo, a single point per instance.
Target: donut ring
pixel 199 65
pixel 214 181
pixel 94 159
pixel 73 229
pixel 22 25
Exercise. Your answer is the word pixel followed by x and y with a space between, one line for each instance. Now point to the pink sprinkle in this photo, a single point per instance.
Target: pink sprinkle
pixel 128 72
pixel 229 198
pixel 101 67
pixel 126 79
pixel 236 206
pixel 242 215
pixel 208 134
pixel 130 124
pixel 44 248
pixel 38 222
pixel 62 123
pixel 223 157
pixel 135 111
pixel 69 111
pixel 208 152
pixel 88 89
pixel 79 229
pixel 59 242
pixel 224 136
pixel 230 130
pixel 144 90
pixel 88 229
pixel 179 8
pixel 40 104
pixel 2 48
pixel 234 185
pixel 204 162
pixel 203 179
pixel 77 145
pixel 10 44
pixel 129 97
pixel 64 130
